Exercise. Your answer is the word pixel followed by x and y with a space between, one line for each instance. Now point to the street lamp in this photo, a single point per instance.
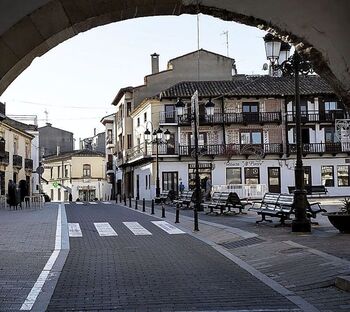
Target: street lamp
pixel 209 107
pixel 293 66
pixel 157 138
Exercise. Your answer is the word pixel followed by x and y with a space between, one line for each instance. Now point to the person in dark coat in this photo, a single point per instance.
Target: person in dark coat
pixel 23 191
pixel 11 194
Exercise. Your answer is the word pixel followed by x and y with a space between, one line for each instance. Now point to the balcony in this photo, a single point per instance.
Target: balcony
pixel 321 148
pixel 28 164
pixel 168 118
pixel 233 149
pixel 235 118
pixel 109 166
pixel 148 150
pixel 317 117
pixel 5 160
pixel 17 161
pixel 2 147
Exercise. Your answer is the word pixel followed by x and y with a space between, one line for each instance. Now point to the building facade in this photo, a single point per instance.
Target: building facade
pixel 16 163
pixel 53 139
pixel 80 173
pixel 250 139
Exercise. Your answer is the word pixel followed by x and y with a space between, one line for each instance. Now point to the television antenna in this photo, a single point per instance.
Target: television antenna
pixel 225 33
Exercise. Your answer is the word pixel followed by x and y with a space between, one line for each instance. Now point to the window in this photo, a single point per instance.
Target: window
pixel 145 117
pixel 248 107
pixel 58 171
pixel 138 121
pixel 27 150
pixel 15 146
pixel 86 171
pixel 327 175
pixel 129 139
pixel 251 137
pixel 110 136
pixel 343 176
pixel 146 179
pixel 170 181
pixel 51 173
pixel 330 105
pixel 251 175
pixel 66 171
pixel 128 109
pixel 330 135
pixel 233 176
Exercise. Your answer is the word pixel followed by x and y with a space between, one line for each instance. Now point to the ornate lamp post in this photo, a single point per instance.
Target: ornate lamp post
pixel 157 139
pixel 293 66
pixel 180 107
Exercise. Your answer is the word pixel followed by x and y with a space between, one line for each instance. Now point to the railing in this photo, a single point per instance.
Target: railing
pixel 232 149
pixel 2 147
pixel 317 116
pixel 243 190
pixel 320 148
pixel 218 118
pixel 150 149
pixel 28 164
pixel 17 161
pixel 5 160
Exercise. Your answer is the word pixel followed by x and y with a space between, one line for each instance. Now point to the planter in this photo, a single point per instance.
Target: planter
pixel 340 221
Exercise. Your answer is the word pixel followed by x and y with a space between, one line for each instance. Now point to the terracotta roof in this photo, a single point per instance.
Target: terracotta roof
pixel 249 86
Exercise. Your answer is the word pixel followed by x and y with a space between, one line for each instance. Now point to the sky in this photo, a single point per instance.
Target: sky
pixel 76 81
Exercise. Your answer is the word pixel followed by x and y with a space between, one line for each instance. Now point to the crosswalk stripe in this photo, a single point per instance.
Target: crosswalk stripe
pixel 105 229
pixel 74 230
pixel 79 203
pixel 167 227
pixel 106 203
pixel 93 203
pixel 137 228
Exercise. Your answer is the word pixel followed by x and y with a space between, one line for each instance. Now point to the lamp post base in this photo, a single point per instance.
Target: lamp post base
pixel 301 226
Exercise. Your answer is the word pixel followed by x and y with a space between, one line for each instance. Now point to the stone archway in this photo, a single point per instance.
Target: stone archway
pixel 318 28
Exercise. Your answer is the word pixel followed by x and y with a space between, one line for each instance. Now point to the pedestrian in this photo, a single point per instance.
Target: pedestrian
pixel 181 187
pixel 208 186
pixel 70 197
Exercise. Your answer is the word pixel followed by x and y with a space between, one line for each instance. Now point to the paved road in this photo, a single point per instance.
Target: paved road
pixel 111 268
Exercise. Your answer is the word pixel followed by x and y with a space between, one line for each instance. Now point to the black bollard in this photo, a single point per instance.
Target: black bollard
pixel 152 207
pixel 124 199
pixel 143 205
pixel 120 198
pixel 163 211
pixel 136 200
pixel 177 216
pixel 130 201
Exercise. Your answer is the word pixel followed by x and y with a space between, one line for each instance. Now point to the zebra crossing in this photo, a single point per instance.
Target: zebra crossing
pixel 104 229
pixel 91 203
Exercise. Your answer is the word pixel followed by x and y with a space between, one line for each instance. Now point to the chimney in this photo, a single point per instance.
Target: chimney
pixel 155 63
pixel 58 150
pixel 48 124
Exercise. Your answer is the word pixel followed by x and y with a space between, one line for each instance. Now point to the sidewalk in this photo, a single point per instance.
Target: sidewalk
pixel 297 265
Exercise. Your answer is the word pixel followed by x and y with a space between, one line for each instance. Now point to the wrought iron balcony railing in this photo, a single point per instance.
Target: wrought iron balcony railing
pixel 317 116
pixel 149 150
pixel 28 164
pixel 109 165
pixel 219 118
pixel 17 161
pixel 321 148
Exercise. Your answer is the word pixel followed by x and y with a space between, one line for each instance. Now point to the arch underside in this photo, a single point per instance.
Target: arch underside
pixel 317 28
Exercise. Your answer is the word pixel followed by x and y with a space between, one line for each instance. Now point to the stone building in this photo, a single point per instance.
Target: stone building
pixel 53 139
pixel 81 173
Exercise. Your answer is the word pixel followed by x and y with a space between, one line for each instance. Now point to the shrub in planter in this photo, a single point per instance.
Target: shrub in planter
pixel 341 219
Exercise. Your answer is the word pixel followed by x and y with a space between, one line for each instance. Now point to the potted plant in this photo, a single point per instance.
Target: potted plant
pixel 341 218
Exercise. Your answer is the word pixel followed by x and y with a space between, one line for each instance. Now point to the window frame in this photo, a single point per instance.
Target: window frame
pixel 86 171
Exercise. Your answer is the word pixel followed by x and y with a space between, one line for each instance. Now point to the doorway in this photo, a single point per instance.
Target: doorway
pixel 274 179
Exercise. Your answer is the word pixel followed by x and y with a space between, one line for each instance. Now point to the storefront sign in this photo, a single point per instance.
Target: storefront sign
pixel 245 163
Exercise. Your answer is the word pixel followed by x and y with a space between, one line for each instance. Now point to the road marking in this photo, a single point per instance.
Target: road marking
pixel 92 203
pixel 106 203
pixel 104 229
pixel 74 230
pixel 137 228
pixel 79 203
pixel 165 226
pixel 32 296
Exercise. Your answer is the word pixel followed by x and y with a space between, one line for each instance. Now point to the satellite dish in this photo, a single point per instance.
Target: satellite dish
pixel 265 66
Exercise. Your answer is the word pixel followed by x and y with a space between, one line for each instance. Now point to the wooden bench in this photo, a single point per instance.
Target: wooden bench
pixel 219 200
pixel 184 199
pixel 311 189
pixel 281 206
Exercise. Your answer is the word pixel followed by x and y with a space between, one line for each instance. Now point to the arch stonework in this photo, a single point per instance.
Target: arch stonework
pixel 318 28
